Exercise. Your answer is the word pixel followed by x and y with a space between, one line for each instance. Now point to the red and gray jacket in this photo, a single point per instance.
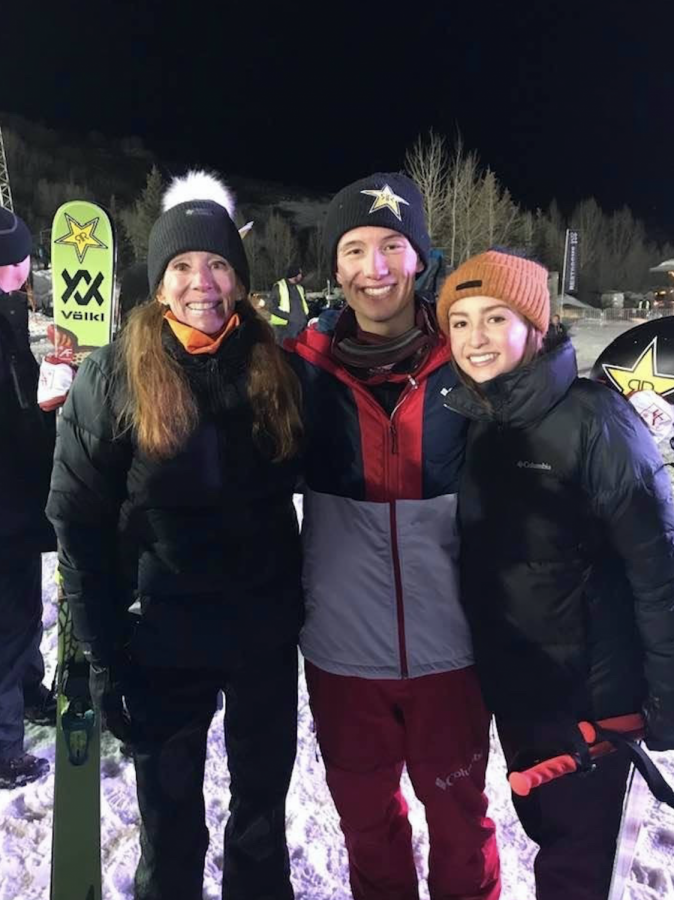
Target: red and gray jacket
pixel 380 533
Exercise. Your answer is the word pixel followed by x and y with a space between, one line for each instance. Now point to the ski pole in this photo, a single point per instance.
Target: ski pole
pixel 522 783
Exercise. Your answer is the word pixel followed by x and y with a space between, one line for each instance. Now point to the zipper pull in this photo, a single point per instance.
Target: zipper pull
pixel 413 382
pixel 394 439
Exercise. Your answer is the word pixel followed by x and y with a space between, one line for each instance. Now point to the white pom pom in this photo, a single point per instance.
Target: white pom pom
pixel 198 185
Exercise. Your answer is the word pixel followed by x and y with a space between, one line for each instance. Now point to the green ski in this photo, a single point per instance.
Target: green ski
pixel 83 263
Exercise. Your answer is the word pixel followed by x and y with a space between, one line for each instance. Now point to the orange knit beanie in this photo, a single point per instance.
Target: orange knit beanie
pixel 520 283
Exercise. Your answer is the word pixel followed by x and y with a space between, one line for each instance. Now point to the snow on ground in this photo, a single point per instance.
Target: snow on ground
pixel 316 846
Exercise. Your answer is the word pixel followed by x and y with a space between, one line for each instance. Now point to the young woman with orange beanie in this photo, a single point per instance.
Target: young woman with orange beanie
pixel 567 567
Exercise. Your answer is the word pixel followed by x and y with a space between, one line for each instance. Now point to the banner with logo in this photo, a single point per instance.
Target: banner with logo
pixel 571 263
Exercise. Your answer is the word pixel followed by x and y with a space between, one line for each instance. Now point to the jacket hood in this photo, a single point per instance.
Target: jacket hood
pixel 523 396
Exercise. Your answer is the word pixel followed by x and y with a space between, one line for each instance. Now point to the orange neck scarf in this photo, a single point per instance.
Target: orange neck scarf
pixel 195 341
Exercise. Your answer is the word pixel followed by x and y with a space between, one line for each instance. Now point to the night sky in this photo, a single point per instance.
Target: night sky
pixel 561 99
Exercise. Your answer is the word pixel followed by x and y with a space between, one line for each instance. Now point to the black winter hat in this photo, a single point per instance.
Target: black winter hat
pixel 15 240
pixel 385 199
pixel 196 224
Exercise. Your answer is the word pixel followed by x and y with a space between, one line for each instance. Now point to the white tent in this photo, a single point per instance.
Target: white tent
pixel 666 266
pixel 568 300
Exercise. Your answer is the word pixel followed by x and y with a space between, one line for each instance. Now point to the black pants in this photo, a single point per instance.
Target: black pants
pixel 574 820
pixel 173 709
pixel 21 664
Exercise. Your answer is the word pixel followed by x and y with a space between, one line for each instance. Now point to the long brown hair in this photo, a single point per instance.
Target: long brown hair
pixel 157 402
pixel 532 348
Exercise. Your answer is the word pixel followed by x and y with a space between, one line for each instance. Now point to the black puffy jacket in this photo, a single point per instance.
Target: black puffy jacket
pixel 26 439
pixel 209 537
pixel 567 545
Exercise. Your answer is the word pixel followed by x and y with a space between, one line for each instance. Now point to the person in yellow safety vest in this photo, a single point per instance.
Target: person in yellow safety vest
pixel 288 306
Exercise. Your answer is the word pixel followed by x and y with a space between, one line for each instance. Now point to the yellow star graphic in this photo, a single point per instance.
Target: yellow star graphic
pixel 81 237
pixel 386 199
pixel 643 375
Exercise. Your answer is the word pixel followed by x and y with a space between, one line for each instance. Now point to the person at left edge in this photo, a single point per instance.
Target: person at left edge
pixel 26 449
pixel 177 459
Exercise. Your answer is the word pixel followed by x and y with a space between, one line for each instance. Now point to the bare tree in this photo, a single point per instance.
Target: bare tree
pixel 527 224
pixel 427 165
pixel 551 235
pixel 499 213
pixel 316 262
pixel 467 209
pixel 454 190
pixel 463 192
pixel 257 261
pixel 589 220
pixel 280 244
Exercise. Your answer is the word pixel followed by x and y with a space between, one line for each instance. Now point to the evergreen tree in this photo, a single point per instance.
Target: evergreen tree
pixel 139 219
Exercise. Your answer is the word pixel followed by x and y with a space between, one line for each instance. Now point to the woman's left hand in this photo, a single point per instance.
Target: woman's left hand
pixel 106 684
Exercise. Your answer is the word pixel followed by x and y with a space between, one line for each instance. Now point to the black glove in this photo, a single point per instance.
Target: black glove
pixel 106 684
pixel 552 737
pixel 659 718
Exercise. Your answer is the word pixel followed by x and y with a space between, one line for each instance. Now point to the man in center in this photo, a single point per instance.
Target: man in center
pixel 389 660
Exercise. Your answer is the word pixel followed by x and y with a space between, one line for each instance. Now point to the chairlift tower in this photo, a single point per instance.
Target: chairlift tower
pixel 5 189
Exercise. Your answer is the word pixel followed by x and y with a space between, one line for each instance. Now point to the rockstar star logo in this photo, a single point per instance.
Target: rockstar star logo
pixel 81 237
pixel 386 199
pixel 643 375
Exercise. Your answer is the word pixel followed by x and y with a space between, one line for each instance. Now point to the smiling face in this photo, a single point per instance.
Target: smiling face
pixel 376 268
pixel 488 338
pixel 200 289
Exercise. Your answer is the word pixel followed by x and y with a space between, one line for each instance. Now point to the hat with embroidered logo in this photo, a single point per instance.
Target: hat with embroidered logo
pixel 15 240
pixel 520 283
pixel 198 216
pixel 386 200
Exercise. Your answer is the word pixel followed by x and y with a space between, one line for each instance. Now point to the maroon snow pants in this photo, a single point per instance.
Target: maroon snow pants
pixel 437 726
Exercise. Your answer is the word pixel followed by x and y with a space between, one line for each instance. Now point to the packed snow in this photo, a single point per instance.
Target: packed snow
pixel 316 846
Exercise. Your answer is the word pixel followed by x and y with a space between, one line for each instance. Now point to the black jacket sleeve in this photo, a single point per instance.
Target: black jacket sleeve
pixel 630 492
pixel 88 488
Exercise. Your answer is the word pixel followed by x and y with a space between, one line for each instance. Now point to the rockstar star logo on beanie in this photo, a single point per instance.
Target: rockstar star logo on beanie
pixel 397 205
pixel 385 198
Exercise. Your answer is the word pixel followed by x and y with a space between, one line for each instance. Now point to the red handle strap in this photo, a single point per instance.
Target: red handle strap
pixel 522 783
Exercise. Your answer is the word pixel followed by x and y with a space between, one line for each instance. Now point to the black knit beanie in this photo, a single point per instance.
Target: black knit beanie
pixel 385 199
pixel 195 225
pixel 15 240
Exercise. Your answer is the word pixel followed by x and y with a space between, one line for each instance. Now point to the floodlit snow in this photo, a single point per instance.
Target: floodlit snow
pixel 316 847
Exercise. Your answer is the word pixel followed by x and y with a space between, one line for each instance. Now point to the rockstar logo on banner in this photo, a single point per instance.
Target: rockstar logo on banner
pixel 386 199
pixel 81 237
pixel 643 375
